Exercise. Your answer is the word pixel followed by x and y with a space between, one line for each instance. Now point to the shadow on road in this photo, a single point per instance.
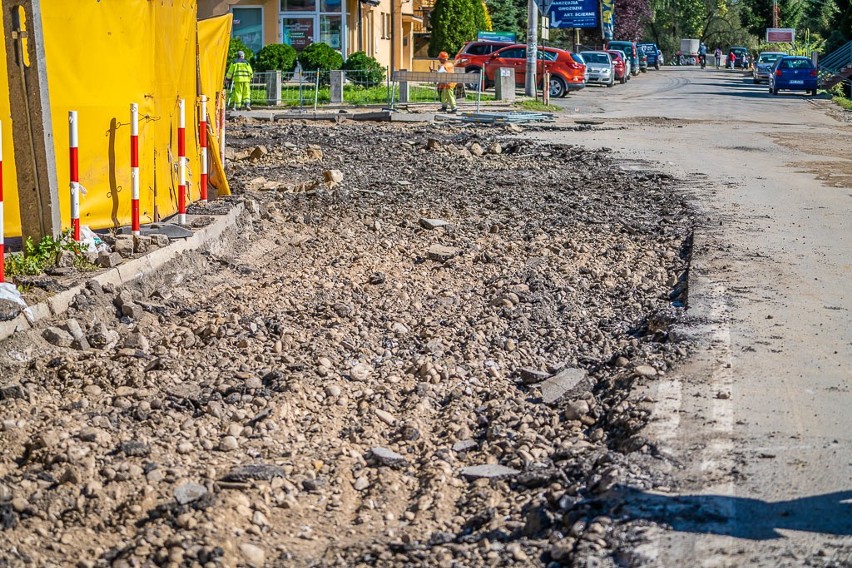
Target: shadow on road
pixel 740 517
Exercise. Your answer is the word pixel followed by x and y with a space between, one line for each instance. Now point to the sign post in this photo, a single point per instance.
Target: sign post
pixel 781 35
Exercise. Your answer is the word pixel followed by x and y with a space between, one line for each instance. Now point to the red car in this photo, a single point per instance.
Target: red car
pixel 619 64
pixel 565 73
pixel 472 56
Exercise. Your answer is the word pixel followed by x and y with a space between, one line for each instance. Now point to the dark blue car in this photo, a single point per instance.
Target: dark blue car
pixel 655 56
pixel 793 74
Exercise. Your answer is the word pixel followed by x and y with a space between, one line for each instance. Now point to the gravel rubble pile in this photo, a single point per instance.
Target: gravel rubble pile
pixel 417 352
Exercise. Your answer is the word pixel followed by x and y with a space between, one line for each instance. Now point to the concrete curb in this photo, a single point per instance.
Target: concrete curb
pixel 125 273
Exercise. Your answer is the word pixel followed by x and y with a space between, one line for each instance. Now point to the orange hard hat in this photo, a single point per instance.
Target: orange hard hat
pixel 443 55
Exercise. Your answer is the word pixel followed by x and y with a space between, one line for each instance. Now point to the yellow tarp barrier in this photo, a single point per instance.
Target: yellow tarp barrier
pixel 213 38
pixel 100 58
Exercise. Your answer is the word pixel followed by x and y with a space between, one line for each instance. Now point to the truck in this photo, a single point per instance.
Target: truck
pixel 688 54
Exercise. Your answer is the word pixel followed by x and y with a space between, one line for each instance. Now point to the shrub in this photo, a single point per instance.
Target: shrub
pixel 371 71
pixel 236 45
pixel 320 57
pixel 275 57
pixel 453 23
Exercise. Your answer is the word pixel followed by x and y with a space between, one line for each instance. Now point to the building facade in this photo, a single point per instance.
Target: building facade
pixel 392 31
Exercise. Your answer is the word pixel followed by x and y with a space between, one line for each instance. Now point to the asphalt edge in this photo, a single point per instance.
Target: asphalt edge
pixel 125 273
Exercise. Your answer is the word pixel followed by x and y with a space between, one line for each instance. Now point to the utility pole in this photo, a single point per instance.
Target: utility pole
pixel 532 48
pixel 774 13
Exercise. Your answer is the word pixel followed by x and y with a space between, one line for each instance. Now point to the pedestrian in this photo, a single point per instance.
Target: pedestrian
pixel 446 90
pixel 732 59
pixel 718 55
pixel 239 77
pixel 702 54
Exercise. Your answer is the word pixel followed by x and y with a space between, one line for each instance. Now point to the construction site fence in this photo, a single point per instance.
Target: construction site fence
pixel 310 89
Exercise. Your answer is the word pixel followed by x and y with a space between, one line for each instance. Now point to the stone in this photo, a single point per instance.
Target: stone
pixel 488 471
pixel 644 371
pixel 101 336
pixel 142 243
pixel 387 457
pixel 476 149
pixel 576 409
pixel 123 245
pixel 57 336
pixel 377 278
pixel 80 341
pixel 533 376
pixel 464 445
pixel 431 224
pixel 136 341
pixel 228 444
pixel 132 311
pixel 314 153
pixel 189 492
pixel 332 176
pixel 361 484
pixel 109 259
pixel 360 372
pixel 258 152
pixel 255 471
pixel 434 144
pixel 441 253
pixel 566 381
pixel 65 259
pixel 159 240
pixel 14 390
pixel 254 555
pixel 495 148
pixel 385 417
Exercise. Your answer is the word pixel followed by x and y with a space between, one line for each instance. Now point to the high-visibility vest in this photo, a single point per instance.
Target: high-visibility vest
pixel 448 67
pixel 240 71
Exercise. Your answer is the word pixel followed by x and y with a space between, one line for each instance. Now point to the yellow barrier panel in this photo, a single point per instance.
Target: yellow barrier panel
pixel 12 214
pixel 213 37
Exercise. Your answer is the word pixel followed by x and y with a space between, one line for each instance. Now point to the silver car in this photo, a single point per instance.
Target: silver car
pixel 599 66
pixel 763 65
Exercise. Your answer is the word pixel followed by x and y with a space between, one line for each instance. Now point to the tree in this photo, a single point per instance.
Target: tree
pixel 275 57
pixel 630 18
pixel 504 16
pixel 453 23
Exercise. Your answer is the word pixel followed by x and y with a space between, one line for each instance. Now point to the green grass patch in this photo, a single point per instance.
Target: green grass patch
pixel 843 102
pixel 293 96
pixel 39 256
pixel 537 106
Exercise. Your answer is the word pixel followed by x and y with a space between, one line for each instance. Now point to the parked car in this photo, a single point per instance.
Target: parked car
pixel 793 74
pixel 600 68
pixel 566 74
pixel 629 49
pixel 741 58
pixel 655 56
pixel 579 59
pixel 643 62
pixel 763 65
pixel 620 65
pixel 472 56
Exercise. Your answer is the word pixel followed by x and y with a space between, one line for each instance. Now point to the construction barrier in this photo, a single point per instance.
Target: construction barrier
pixel 101 57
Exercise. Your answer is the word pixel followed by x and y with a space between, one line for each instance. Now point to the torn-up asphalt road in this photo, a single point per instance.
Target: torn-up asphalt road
pixel 420 358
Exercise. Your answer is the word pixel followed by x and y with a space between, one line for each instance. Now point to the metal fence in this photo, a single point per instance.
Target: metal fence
pixel 312 89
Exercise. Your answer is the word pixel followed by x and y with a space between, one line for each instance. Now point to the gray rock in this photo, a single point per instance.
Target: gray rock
pixel 360 372
pixel 101 336
pixel 332 176
pixel 123 245
pixel 495 148
pixel 432 224
pixel 256 471
pixel 58 337
pixel 133 311
pixel 476 149
pixel 65 259
pixel 9 310
pixel 576 409
pixel 645 371
pixel 567 381
pixel 80 341
pixel 254 555
pixel 488 471
pixel 441 253
pixel 189 492
pixel 136 341
pixel 142 243
pixel 361 484
pixel 386 417
pixel 14 390
pixel 464 445
pixel 109 259
pixel 387 457
pixel 258 152
pixel 159 240
pixel 533 376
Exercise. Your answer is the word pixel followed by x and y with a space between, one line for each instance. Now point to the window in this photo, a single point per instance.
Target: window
pixel 514 53
pixel 546 55
pixel 330 30
pixel 248 26
pixel 297 32
pixel 298 5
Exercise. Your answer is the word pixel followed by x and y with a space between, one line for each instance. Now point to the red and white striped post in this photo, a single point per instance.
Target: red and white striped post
pixel 134 169
pixel 2 227
pixel 75 175
pixel 182 162
pixel 202 141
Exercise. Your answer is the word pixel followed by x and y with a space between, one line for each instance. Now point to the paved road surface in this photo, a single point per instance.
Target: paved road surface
pixel 759 427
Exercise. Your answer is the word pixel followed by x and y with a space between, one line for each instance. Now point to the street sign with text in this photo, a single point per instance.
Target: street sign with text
pixel 574 14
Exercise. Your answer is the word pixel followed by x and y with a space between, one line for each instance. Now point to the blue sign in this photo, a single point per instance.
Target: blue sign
pixel 510 37
pixel 574 14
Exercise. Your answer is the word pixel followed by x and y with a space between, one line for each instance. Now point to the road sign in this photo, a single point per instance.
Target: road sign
pixel 780 35
pixel 510 37
pixel 574 14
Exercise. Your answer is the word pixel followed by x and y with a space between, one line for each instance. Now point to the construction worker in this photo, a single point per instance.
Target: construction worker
pixel 239 75
pixel 447 90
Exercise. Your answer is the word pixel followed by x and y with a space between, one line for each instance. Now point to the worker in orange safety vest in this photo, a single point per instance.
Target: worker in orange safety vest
pixel 447 90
